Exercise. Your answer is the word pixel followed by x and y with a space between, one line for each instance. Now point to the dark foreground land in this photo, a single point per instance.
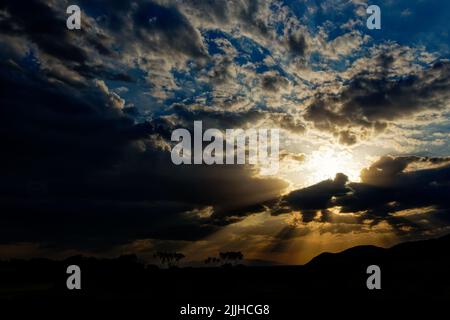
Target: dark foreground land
pixel 414 272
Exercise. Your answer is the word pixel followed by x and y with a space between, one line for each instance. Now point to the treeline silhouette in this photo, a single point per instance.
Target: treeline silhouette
pixel 414 270
pixel 171 259
pixel 229 258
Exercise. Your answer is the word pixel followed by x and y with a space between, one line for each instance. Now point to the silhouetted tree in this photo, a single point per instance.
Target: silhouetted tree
pixel 231 257
pixel 212 260
pixel 171 259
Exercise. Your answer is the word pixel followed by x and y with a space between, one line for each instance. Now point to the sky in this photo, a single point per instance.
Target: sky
pixel 87 116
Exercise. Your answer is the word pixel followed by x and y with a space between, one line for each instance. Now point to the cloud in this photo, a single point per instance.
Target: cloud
pixel 46 31
pixel 273 82
pixel 369 102
pixel 166 29
pixel 408 193
pixel 79 172
pixel 297 44
pixel 250 16
pixel 316 197
pixel 88 115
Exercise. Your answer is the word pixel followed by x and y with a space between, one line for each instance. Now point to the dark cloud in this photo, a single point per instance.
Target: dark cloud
pixel 246 14
pixel 387 169
pixel 78 172
pixel 369 102
pixel 226 119
pixel 315 198
pixel 214 11
pixel 164 28
pixel 46 29
pixel 250 15
pixel 273 82
pixel 110 30
pixel 297 44
pixel 155 27
pixel 387 188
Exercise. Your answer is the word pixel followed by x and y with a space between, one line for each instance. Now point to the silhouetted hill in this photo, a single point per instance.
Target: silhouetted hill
pixel 359 252
pixel 434 249
pixel 410 271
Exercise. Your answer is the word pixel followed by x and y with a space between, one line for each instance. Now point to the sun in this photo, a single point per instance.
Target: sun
pixel 325 162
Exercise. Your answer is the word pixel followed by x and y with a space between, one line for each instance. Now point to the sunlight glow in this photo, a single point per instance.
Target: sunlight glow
pixel 324 163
